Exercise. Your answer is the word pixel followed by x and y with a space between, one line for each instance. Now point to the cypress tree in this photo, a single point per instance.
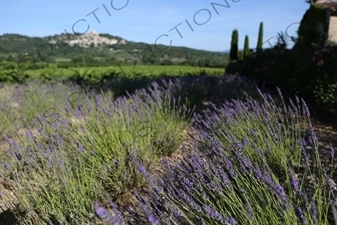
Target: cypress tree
pixel 260 39
pixel 246 47
pixel 233 54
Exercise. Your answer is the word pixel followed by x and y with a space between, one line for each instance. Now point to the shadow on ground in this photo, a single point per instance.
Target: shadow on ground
pixel 199 89
pixel 8 218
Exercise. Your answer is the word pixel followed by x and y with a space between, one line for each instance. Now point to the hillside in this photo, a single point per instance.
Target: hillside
pixel 103 48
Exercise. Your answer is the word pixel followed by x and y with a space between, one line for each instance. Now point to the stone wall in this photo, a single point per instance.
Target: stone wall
pixel 331 19
pixel 333 29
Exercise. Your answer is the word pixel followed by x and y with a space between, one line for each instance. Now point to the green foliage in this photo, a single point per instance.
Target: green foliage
pixel 313 20
pixel 166 62
pixel 234 67
pixel 111 60
pixel 260 39
pixel 83 59
pixel 309 72
pixel 281 42
pixel 246 47
pixel 13 73
pixel 10 72
pixel 240 55
pixel 102 55
pixel 325 86
pixel 233 55
pixel 326 93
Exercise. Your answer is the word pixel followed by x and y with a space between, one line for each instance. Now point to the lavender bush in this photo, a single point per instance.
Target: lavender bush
pixel 249 163
pixel 199 89
pixel 232 177
pixel 58 172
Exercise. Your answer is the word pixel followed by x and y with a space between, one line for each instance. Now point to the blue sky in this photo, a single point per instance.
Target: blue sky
pixel 145 21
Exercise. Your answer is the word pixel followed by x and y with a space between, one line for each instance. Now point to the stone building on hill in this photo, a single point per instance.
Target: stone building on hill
pixel 331 17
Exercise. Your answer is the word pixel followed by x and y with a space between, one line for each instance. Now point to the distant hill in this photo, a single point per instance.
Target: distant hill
pixel 227 52
pixel 102 48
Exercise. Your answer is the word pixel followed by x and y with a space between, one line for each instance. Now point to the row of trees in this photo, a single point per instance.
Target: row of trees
pixel 234 53
pixel 307 70
pixel 213 61
pixel 90 61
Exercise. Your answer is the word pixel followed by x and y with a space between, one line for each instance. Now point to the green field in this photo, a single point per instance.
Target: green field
pixel 12 72
pixel 127 70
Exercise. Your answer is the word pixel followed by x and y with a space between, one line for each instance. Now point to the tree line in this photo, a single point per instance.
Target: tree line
pixel 235 54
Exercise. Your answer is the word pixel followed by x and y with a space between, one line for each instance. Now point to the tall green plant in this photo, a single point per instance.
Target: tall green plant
pixel 260 39
pixel 233 54
pixel 246 47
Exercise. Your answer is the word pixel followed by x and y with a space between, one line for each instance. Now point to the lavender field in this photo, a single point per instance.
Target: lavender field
pixel 178 151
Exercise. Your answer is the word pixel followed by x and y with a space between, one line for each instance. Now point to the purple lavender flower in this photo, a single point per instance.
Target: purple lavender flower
pixel 294 184
pixel 118 216
pixel 312 136
pixel 214 214
pixel 230 221
pixel 80 147
pixel 92 152
pixel 18 155
pixel 300 215
pixel 303 145
pixel 139 165
pixel 332 152
pixel 279 92
pixel 258 173
pixel 249 210
pixel 214 186
pixel 165 163
pixel 229 165
pixel 187 184
pixel 279 190
pixel 246 164
pixel 176 213
pixel 305 108
pixel 245 142
pixel 224 178
pixel 153 220
pixel 257 150
pixel 103 214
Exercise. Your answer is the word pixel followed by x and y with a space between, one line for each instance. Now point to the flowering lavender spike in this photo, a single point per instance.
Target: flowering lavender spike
pixel 300 215
pixel 249 210
pixel 119 217
pixel 103 214
pixel 305 108
pixel 332 152
pixel 80 147
pixel 153 220
pixel 213 213
pixel 231 221
pixel 294 184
